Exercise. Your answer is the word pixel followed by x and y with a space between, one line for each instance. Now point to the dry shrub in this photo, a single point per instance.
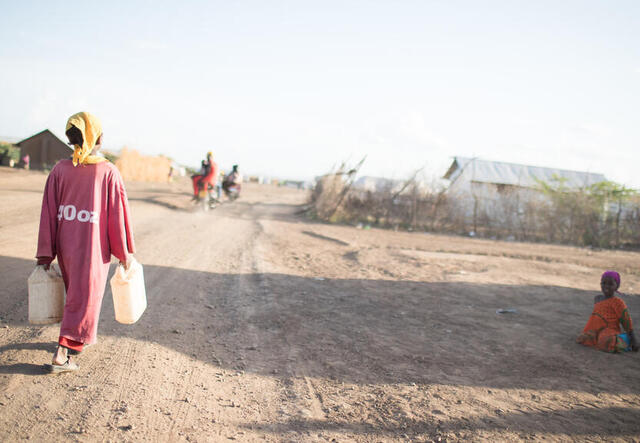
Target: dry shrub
pixel 412 208
pixel 136 167
pixel 326 196
pixel 335 200
pixel 602 215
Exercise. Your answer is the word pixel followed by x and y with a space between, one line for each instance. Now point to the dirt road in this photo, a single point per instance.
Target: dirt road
pixel 262 325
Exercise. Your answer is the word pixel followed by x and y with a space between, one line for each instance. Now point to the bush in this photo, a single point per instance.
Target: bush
pixel 328 196
pixel 604 214
pixel 601 215
pixel 9 152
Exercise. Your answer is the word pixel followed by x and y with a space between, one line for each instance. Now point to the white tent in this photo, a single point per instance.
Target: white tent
pixel 499 173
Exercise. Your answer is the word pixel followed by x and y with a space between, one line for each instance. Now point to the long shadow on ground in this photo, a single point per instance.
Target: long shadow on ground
pixel 575 422
pixel 364 331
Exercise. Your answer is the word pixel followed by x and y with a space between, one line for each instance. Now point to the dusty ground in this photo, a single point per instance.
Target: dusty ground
pixel 262 325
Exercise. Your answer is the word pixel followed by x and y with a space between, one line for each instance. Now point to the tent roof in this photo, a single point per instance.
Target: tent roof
pixel 486 171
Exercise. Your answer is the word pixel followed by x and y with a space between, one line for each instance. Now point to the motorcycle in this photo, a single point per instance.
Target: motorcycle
pixel 206 198
pixel 232 192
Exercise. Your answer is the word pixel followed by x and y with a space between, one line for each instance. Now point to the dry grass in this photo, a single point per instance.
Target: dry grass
pixel 137 167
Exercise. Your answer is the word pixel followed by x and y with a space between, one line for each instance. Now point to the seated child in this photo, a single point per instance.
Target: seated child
pixel 609 312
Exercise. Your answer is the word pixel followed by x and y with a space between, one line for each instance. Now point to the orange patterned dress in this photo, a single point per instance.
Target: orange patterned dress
pixel 603 327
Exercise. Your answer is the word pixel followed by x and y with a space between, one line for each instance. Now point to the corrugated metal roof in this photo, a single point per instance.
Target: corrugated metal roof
pixel 44 131
pixel 486 171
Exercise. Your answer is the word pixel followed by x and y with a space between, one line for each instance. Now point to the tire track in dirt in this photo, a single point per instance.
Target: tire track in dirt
pixel 298 390
pixel 204 305
pixel 175 404
pixel 122 380
pixel 182 398
pixel 258 346
pixel 317 406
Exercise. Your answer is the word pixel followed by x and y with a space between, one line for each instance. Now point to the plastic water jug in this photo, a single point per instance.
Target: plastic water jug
pixel 46 295
pixel 129 295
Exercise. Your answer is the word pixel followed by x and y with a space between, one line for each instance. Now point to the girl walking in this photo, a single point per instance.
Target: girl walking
pixel 85 219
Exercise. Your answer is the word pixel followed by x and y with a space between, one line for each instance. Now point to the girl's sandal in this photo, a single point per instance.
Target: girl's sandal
pixel 67 366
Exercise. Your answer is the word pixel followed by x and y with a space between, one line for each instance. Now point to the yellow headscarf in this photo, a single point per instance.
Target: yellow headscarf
pixel 91 129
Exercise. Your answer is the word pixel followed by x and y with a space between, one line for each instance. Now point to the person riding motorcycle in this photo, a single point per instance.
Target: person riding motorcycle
pixel 232 183
pixel 206 179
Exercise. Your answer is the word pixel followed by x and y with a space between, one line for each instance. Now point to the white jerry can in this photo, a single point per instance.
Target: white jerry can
pixel 129 295
pixel 46 295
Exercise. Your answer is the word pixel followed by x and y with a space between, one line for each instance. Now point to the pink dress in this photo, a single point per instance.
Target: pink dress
pixel 84 220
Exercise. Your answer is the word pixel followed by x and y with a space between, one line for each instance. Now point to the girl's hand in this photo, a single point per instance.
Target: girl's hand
pixel 45 262
pixel 127 262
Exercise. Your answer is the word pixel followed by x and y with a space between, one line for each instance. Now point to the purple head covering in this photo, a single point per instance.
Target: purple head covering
pixel 614 275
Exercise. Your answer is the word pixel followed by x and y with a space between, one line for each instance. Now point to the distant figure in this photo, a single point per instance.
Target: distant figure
pixel 26 160
pixel 219 186
pixel 207 178
pixel 84 220
pixel 609 312
pixel 170 176
pixel 232 182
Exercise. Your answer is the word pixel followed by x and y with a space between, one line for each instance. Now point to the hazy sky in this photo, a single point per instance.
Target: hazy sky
pixel 290 88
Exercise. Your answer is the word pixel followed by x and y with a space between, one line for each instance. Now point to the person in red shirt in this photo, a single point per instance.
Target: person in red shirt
pixel 207 178
pixel 85 219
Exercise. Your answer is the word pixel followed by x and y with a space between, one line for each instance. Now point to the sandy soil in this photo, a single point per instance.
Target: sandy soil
pixel 263 325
